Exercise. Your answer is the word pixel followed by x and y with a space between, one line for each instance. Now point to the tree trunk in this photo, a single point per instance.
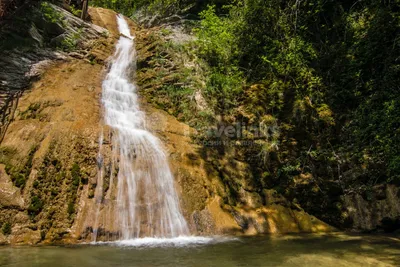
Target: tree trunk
pixel 85 8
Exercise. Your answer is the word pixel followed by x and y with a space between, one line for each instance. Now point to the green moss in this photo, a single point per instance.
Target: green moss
pixel 165 31
pixel 76 175
pixel 6 228
pixel 19 180
pixel 75 181
pixel 43 234
pixel 6 153
pixel 61 176
pixel 6 156
pixel 71 208
pixel 91 193
pixel 54 192
pixel 20 174
pixel 35 184
pixel 31 112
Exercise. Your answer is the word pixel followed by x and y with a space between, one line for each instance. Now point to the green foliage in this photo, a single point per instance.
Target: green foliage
pixel 71 208
pixel 19 180
pixel 43 234
pixel 36 206
pixel 76 174
pixel 223 89
pixel 322 76
pixel 18 173
pixel 327 71
pixel 50 14
pixel 31 112
pixel 71 41
pixel 217 44
pixel 76 177
pixel 6 156
pixel 216 38
pixel 76 12
pixel 161 8
pixel 6 228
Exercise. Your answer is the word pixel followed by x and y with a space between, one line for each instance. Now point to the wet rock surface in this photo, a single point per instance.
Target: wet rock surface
pixel 48 151
pixel 29 41
pixel 49 182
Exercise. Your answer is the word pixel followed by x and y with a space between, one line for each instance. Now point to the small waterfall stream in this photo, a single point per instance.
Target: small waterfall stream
pixel 147 204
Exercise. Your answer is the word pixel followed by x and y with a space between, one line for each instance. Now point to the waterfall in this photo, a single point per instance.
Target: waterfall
pixel 147 204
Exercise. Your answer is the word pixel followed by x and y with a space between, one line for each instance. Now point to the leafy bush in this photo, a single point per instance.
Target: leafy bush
pixel 6 228
pixel 71 41
pixel 76 12
pixel 216 39
pixel 36 206
pixel 19 174
pixel 19 180
pixel 217 44
pixel 71 208
pixel 76 174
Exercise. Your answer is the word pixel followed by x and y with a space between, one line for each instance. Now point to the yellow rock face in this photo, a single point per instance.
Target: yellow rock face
pixel 61 118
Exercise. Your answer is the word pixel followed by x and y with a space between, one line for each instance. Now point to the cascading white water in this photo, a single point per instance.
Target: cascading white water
pixel 147 203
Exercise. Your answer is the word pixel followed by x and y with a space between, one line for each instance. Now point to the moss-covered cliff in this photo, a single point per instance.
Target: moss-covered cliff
pixel 49 142
pixel 50 164
pixel 250 154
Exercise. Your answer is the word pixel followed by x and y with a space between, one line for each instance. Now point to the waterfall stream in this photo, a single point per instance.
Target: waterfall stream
pixel 147 204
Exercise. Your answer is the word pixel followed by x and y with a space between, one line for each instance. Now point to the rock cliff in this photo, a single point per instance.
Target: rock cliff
pixel 49 153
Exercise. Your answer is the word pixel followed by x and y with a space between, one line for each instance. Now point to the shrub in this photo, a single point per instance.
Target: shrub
pixel 71 208
pixel 6 228
pixel 20 180
pixel 36 206
pixel 76 174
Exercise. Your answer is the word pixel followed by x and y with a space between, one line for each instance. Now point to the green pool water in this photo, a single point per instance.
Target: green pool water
pixel 286 250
